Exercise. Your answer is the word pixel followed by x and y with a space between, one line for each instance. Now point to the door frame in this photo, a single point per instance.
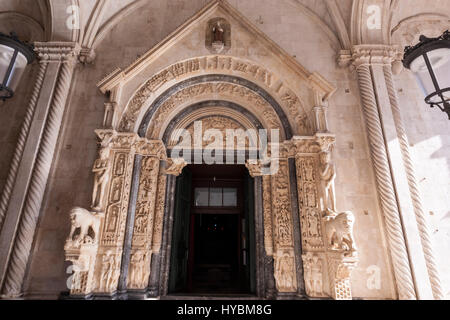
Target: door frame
pixel 265 282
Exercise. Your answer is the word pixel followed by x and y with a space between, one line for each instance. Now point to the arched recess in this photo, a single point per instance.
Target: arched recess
pixel 256 85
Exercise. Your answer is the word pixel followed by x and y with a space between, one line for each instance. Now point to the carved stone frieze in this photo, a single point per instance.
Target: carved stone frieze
pixel 289 100
pixel 256 103
pixel 283 248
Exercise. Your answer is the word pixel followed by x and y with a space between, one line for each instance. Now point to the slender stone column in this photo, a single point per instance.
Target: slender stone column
pixel 64 55
pixel 14 168
pixel 385 186
pixel 422 224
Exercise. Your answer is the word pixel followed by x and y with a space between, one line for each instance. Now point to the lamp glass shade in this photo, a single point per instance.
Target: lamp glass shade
pixel 440 63
pixel 6 55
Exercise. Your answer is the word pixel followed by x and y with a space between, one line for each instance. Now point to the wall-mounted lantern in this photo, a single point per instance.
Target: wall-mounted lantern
pixel 429 60
pixel 14 57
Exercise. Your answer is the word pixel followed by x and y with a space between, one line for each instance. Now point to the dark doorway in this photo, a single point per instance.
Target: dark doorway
pixel 213 240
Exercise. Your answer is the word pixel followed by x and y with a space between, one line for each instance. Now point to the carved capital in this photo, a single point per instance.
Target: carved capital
pixel 320 142
pixel 175 166
pixel 57 51
pixel 326 141
pixel 374 55
pixel 87 55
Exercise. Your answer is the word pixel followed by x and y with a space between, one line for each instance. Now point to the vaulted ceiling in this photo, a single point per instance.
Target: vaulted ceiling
pixel 344 21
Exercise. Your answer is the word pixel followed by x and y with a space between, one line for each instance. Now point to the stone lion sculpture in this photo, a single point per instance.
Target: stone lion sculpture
pixel 83 219
pixel 339 228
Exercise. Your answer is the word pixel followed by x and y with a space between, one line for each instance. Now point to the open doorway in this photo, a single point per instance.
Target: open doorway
pixel 213 238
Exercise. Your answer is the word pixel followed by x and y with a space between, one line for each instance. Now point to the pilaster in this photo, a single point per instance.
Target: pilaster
pixel 413 261
pixel 22 199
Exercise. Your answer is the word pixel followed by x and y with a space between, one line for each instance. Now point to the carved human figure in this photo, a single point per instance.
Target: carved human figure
pixel 218 33
pixel 309 171
pixel 101 178
pixel 328 175
pixel 120 165
pixel 316 275
pixel 137 271
pixel 313 224
pixel 116 190
pixel 112 218
pixel 108 264
pixel 310 195
pixel 313 274
pixel 110 271
pixel 284 273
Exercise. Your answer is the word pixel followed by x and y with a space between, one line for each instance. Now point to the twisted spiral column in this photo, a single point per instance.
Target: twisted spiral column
pixel 17 157
pixel 422 224
pixel 385 186
pixel 24 238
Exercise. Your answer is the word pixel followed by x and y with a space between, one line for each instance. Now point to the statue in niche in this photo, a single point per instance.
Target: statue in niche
pixel 328 175
pixel 313 224
pixel 311 200
pixel 101 178
pixel 120 165
pixel 112 219
pixel 308 168
pixel 218 33
pixel 116 190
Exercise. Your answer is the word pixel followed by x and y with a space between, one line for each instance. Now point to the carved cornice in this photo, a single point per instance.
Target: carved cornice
pixel 57 51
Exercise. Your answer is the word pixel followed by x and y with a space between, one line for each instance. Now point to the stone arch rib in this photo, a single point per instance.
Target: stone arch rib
pixel 216 78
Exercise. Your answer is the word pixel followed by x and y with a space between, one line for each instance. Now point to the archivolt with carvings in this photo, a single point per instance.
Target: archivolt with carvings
pixel 292 105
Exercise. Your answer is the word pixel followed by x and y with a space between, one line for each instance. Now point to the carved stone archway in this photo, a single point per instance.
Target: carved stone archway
pixel 168 89
pixel 301 228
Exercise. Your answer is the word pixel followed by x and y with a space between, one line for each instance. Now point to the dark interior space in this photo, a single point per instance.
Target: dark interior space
pixel 213 232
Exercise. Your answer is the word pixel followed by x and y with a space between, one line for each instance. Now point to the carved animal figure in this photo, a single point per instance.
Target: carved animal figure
pixel 83 219
pixel 340 231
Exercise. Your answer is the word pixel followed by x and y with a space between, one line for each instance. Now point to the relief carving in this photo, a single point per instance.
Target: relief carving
pixel 139 270
pixel 101 177
pixel 257 104
pixel 110 272
pixel 313 268
pixel 83 221
pixel 327 236
pixel 290 101
pixel 339 228
pixel 285 275
pixel 328 175
pixel 175 166
pixel 159 212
